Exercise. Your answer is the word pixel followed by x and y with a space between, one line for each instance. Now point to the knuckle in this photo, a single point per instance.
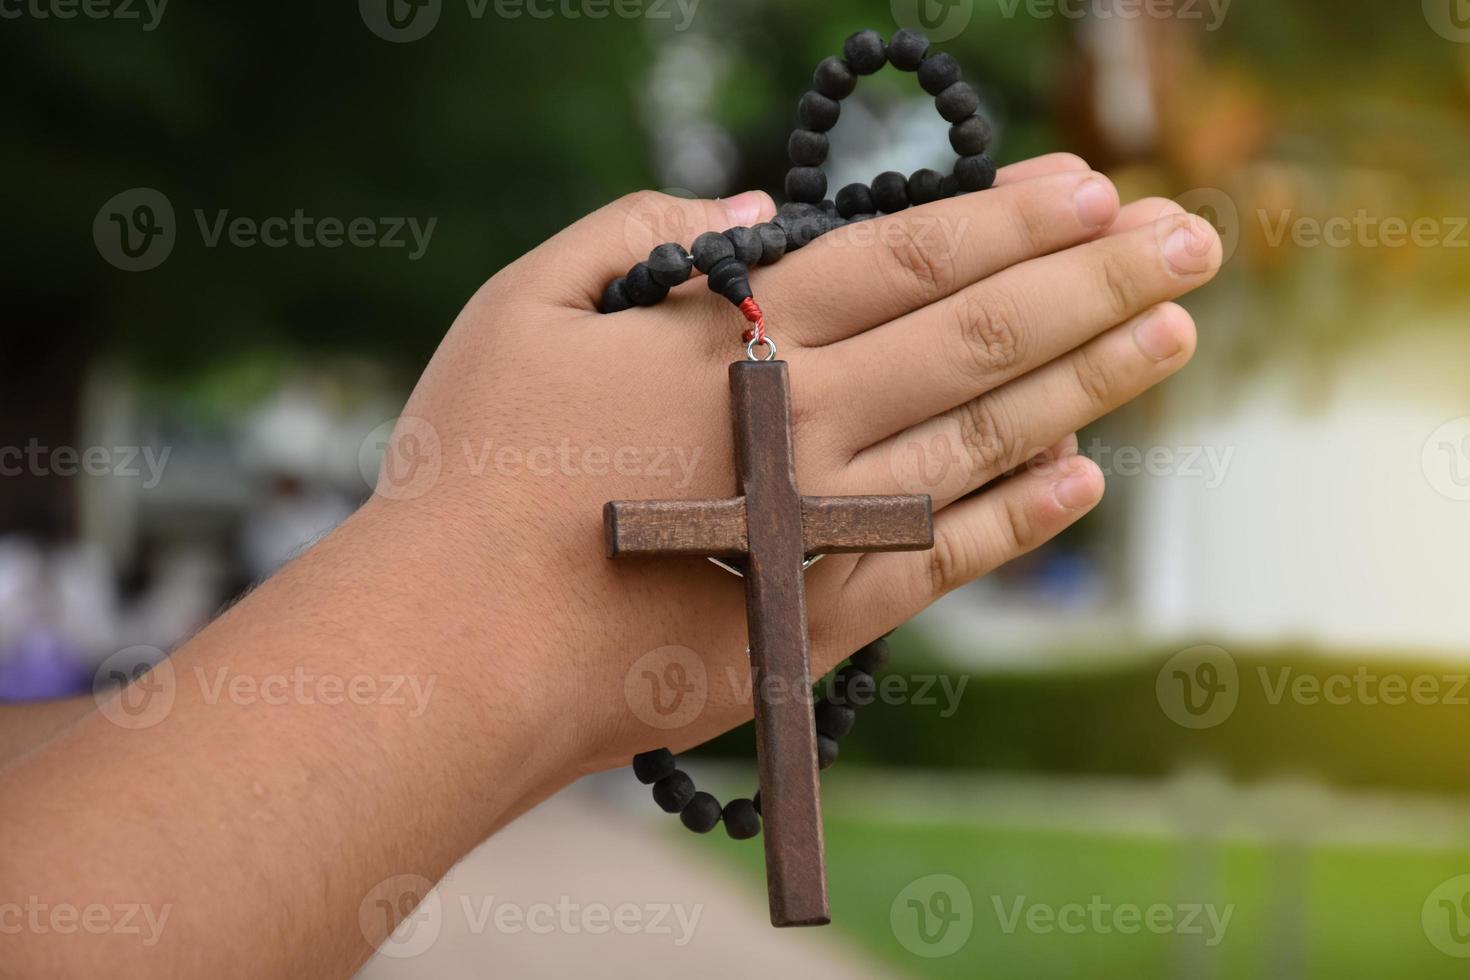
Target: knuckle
pixel 1118 284
pixel 989 328
pixel 1096 378
pixel 982 433
pixel 1016 526
pixel 1030 221
pixel 929 268
pixel 952 563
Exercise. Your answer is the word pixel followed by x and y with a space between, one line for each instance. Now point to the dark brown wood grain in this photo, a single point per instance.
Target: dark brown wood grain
pixel 773 528
pixel 714 528
pixel 833 525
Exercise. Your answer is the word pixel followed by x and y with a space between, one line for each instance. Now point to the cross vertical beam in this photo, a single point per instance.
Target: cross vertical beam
pixel 775 615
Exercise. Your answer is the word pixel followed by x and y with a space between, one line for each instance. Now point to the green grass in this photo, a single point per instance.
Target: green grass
pixel 1322 912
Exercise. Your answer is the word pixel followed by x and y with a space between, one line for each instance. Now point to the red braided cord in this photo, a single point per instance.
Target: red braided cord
pixel 752 312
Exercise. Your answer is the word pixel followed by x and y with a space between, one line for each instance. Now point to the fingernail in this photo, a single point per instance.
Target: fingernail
pixel 1187 249
pixel 1076 491
pixel 744 209
pixel 1096 203
pixel 1156 338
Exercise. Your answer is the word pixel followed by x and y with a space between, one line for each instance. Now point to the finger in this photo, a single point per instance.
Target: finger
pixel 952 454
pixel 1017 320
pixel 1141 213
pixel 868 273
pixel 576 265
pixel 1042 166
pixel 971 539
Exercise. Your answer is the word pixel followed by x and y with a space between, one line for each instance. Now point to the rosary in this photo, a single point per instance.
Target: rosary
pixel 769 534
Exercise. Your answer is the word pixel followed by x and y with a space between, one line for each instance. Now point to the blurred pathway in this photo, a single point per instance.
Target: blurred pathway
pixel 581 887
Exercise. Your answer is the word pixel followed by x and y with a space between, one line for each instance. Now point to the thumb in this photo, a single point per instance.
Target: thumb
pixel 605 244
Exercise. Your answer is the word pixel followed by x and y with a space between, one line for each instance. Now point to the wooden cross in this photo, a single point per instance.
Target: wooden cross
pixel 772 529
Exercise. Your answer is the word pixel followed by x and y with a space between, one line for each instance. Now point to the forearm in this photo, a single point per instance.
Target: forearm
pixel 24 727
pixel 258 807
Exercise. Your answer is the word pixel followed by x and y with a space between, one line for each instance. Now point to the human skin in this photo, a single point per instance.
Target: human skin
pixel 951 349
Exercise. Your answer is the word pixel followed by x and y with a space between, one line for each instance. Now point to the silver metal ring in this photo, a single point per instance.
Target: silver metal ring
pixel 770 349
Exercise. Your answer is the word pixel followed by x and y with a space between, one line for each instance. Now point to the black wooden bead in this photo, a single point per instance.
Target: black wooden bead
pixel 906 49
pixel 834 78
pixel 938 73
pixel 807 148
pixel 807 184
pixel 826 752
pixel 641 286
pixel 773 242
pixel 670 264
pixel 854 219
pixel 834 720
pixel 855 199
pixel 871 658
pixel 701 813
pixel 865 52
pixel 890 191
pixel 731 279
pixel 710 249
pixel 853 687
pixel 829 206
pixel 949 186
pixel 924 186
pixel 802 223
pixel 747 245
pixel 755 801
pixel 674 791
pixel 818 112
pixel 970 136
pixel 615 296
pixel 958 102
pixel 975 173
pixel 742 822
pixel 650 767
